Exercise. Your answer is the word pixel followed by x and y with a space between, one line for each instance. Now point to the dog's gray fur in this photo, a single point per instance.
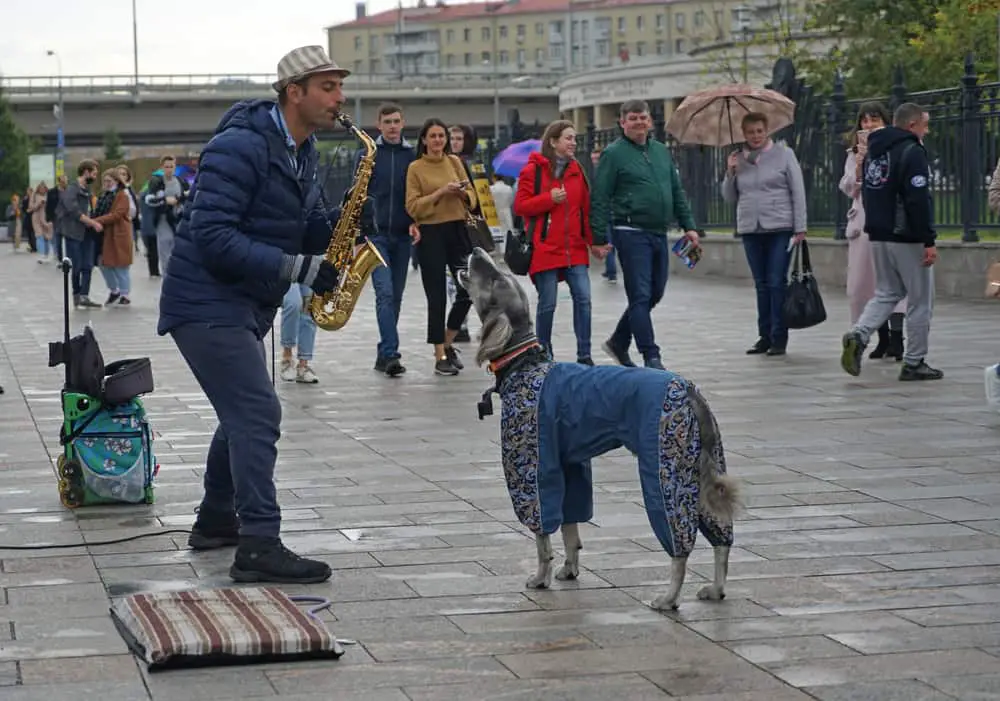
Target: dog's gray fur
pixel 504 309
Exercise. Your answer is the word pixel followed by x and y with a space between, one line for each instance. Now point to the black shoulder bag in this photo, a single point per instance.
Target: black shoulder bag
pixel 519 247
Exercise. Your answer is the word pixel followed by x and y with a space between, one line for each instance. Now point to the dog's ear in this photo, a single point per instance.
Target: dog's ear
pixel 495 334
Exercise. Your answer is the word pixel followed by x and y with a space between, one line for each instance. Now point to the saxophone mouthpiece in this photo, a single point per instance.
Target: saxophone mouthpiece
pixel 345 120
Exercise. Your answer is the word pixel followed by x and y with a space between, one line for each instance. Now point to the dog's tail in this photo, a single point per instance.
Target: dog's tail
pixel 719 494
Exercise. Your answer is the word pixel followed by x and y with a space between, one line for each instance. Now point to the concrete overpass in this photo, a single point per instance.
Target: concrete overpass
pixel 184 109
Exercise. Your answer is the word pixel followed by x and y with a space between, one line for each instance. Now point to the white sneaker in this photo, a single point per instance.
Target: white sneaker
pixel 288 373
pixel 305 375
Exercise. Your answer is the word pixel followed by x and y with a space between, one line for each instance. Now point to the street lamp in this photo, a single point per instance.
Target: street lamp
pixel 60 124
pixel 741 23
pixel 496 89
pixel 135 51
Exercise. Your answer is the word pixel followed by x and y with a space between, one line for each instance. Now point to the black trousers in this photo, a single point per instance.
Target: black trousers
pixel 442 247
pixel 152 257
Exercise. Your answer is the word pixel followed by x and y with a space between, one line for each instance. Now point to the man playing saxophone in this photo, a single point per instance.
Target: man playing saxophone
pixel 253 225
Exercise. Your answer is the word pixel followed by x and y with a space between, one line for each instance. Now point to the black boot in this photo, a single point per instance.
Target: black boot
pixel 262 559
pixel 214 529
pixel 883 342
pixel 895 349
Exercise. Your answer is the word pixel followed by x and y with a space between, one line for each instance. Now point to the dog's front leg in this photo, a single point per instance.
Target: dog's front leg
pixel 668 600
pixel 716 591
pixel 573 545
pixel 542 579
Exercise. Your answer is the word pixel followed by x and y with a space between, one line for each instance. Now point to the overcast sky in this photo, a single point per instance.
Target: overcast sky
pixel 185 36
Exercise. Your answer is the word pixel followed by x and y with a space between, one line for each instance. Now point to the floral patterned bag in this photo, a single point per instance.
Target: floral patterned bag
pixel 114 453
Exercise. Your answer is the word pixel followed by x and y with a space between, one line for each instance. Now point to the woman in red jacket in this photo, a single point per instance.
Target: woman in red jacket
pixel 553 198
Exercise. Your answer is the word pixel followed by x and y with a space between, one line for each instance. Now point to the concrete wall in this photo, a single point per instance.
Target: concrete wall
pixel 960 270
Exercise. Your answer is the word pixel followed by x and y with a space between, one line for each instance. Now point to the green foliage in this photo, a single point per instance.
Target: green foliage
pixel 928 39
pixel 113 145
pixel 15 147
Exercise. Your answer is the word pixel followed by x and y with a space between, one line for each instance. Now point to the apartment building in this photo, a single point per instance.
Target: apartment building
pixel 529 38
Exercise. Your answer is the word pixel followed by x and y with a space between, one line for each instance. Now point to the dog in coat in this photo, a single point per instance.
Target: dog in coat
pixel 557 417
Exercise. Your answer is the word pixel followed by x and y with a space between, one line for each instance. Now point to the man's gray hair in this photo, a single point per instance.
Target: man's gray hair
pixel 906 114
pixel 633 107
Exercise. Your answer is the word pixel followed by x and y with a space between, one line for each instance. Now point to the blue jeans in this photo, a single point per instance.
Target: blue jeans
pixel 298 329
pixel 610 269
pixel 389 283
pixel 645 263
pixel 768 257
pixel 117 279
pixel 230 364
pixel 81 255
pixel 547 284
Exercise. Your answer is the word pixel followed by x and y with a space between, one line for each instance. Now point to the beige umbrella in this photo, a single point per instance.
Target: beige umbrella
pixel 712 117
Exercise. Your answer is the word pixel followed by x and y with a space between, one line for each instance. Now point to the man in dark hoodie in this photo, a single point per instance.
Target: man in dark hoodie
pixel 899 220
pixel 387 224
pixel 254 224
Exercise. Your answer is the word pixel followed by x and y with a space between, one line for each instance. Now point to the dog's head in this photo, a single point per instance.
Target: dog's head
pixel 501 304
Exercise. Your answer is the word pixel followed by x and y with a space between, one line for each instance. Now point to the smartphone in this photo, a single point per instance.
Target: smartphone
pixel 863 137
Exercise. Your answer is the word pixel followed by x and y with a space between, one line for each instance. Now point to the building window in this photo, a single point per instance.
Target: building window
pixel 603 48
pixel 520 57
pixel 468 59
pixel 640 48
pixel 468 35
pixel 640 23
pixel 450 35
pixel 521 29
pixel 661 22
pixel 485 56
pixel 621 24
pixel 660 48
pixel 373 66
pixel 449 60
pixel 540 28
pixel 679 21
pixel 699 19
pixel 539 56
pixel 486 33
pixel 503 31
pixel 504 57
pixel 679 46
pixel 357 43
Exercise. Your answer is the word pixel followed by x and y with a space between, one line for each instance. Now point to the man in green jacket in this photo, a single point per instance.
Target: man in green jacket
pixel 637 192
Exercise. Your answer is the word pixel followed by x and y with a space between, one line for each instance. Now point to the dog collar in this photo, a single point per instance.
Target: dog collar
pixel 505 359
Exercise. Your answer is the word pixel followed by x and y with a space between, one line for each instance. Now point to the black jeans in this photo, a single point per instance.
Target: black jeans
pixel 443 246
pixel 152 257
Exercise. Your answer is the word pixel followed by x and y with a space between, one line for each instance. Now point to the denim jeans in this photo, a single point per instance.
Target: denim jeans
pixel 230 364
pixel 389 283
pixel 117 279
pixel 81 255
pixel 768 258
pixel 610 269
pixel 645 263
pixel 298 329
pixel 547 284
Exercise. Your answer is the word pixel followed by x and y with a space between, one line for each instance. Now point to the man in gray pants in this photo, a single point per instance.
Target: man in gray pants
pixel 900 223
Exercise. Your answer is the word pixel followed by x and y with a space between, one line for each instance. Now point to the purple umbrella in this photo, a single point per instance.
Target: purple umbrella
pixel 511 160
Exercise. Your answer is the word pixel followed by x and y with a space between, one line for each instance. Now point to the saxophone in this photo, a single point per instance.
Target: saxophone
pixel 332 310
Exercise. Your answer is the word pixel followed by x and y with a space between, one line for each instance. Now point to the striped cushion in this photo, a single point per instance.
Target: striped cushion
pixel 220 626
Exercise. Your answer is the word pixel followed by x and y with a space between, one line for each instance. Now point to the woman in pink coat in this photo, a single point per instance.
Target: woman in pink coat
pixel 860 267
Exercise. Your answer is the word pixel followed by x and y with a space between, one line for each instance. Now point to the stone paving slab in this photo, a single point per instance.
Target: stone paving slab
pixel 867 565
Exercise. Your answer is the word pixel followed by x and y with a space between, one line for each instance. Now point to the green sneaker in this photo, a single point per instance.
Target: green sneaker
pixel 854 349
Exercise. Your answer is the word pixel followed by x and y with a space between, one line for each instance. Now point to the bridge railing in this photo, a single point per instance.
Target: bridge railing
pixel 254 83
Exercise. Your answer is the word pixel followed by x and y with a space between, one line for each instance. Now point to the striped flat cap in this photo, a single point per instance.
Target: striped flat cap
pixel 305 61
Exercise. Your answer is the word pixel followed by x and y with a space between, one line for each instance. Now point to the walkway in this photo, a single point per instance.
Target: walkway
pixel 868 566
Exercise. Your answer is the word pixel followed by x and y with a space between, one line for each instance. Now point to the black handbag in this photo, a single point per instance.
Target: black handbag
pixel 476 229
pixel 803 306
pixel 519 245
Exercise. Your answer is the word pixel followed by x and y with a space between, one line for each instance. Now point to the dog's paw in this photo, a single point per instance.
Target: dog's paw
pixel 664 602
pixel 539 581
pixel 569 571
pixel 710 592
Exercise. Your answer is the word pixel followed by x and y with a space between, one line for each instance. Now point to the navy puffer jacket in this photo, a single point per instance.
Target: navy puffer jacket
pixel 246 209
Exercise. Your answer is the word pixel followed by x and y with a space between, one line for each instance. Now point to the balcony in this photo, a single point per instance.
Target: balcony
pixel 412 48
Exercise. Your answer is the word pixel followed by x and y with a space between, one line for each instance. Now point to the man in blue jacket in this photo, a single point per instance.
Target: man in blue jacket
pixel 253 225
pixel 387 225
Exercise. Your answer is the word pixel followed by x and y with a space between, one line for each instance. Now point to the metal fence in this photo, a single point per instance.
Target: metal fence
pixel 963 146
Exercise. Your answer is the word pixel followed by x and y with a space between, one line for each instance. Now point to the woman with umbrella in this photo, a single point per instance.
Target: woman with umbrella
pixel 553 197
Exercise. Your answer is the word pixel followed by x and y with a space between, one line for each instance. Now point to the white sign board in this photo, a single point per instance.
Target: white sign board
pixel 41 168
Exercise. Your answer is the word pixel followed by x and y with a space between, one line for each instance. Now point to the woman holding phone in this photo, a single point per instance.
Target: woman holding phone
pixel 860 266
pixel 438 196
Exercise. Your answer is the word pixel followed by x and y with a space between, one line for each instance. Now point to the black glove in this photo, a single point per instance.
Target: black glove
pixel 315 272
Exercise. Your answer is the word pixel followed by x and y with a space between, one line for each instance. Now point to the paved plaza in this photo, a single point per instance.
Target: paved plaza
pixel 866 567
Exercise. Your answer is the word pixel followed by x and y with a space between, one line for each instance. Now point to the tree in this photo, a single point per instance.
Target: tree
pixel 113 145
pixel 928 39
pixel 15 147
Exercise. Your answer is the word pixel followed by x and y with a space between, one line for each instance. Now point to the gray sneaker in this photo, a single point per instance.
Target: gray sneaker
pixel 445 367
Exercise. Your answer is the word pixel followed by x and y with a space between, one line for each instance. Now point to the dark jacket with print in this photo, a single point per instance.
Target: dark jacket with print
pixel 385 212
pixel 895 188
